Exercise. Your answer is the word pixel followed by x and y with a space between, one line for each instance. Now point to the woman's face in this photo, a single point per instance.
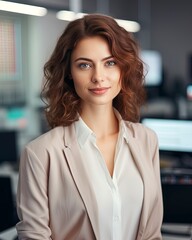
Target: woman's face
pixel 94 71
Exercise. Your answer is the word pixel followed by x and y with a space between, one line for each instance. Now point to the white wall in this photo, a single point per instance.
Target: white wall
pixel 43 33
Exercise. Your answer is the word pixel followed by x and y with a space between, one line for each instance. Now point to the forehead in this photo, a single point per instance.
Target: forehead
pixel 91 46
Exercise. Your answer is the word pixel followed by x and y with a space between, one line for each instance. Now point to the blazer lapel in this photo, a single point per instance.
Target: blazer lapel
pixel 80 175
pixel 138 155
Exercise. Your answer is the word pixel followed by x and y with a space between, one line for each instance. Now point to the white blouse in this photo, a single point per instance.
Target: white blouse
pixel 119 198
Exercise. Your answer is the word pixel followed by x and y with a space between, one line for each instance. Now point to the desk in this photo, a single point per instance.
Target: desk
pixel 9 234
pixel 175 238
pixel 177 228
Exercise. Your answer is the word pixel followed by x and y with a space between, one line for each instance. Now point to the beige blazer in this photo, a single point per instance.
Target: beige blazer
pixel 55 200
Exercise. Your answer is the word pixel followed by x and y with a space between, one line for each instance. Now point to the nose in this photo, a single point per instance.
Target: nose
pixel 98 75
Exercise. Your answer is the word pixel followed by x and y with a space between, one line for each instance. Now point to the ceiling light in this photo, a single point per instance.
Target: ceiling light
pixel 22 8
pixel 68 15
pixel 130 26
pixel 65 15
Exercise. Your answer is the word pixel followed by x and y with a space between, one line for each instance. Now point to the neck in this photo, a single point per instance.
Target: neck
pixel 102 121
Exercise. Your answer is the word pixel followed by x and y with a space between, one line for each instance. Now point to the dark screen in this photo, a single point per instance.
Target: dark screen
pixel 8 146
pixel 177 199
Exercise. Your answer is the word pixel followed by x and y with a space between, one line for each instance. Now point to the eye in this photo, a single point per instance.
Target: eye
pixel 84 65
pixel 110 63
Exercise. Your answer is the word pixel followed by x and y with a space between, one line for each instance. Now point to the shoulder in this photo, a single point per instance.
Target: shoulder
pixel 46 144
pixel 142 134
pixel 43 148
pixel 144 138
pixel 50 138
pixel 139 130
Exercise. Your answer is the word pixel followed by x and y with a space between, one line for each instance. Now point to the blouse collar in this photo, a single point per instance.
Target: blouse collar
pixel 83 132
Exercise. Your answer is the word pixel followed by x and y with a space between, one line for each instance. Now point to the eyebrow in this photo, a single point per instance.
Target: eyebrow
pixel 89 60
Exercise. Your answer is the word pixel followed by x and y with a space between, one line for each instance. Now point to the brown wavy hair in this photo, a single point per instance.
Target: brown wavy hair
pixel 59 93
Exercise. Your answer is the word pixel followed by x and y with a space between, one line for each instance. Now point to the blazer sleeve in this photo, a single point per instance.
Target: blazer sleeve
pixel 32 200
pixel 153 228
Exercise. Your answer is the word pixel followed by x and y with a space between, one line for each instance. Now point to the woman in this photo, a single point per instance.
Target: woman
pixel 95 175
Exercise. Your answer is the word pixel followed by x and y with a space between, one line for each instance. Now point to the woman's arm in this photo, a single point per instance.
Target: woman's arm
pixel 156 217
pixel 32 199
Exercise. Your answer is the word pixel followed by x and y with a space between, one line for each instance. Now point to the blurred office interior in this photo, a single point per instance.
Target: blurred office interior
pixel 26 42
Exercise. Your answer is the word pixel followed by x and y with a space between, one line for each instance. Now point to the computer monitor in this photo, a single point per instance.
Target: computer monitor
pixel 8 143
pixel 152 67
pixel 7 208
pixel 177 195
pixel 174 135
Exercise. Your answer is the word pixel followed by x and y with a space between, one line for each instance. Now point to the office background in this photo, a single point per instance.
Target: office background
pixel 164 31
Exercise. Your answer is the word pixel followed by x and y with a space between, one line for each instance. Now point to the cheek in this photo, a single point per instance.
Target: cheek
pixel 81 80
pixel 79 86
pixel 115 75
pixel 76 78
pixel 116 79
pixel 118 88
pixel 118 84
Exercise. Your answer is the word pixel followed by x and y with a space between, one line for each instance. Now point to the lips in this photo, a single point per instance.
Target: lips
pixel 99 91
